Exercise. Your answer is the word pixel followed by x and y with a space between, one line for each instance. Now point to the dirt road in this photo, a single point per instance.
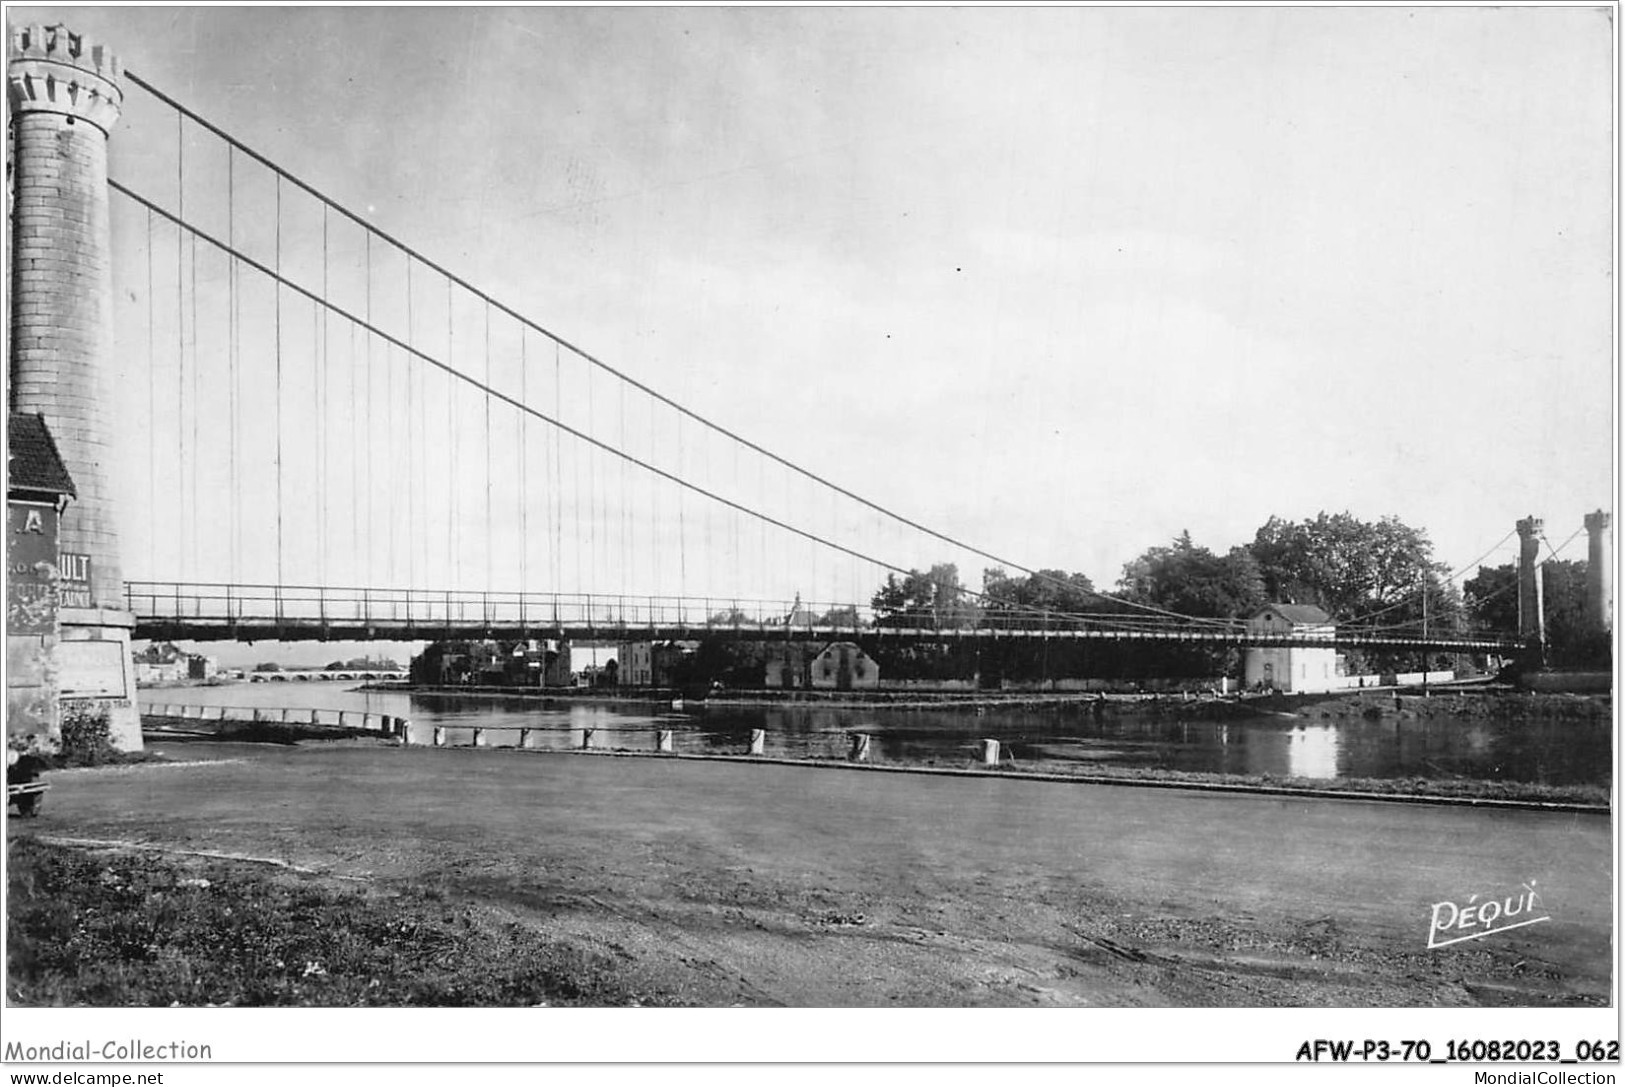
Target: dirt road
pixel 722 883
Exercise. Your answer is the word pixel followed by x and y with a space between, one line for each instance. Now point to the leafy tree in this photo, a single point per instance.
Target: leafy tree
pixel 1491 601
pixel 934 598
pixel 1350 567
pixel 1043 590
pixel 1564 603
pixel 720 660
pixel 1192 580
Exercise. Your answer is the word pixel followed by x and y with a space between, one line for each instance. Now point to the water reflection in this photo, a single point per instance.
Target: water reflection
pixel 1312 752
pixel 1552 752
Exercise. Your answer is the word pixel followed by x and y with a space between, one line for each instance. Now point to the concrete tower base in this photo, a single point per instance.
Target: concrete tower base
pixel 95 671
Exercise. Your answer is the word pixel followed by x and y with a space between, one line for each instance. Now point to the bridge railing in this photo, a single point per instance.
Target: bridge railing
pixel 302 605
pixel 430 610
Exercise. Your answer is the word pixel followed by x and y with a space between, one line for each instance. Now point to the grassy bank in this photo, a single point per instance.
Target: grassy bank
pixel 114 928
pixel 1497 703
pixel 1521 792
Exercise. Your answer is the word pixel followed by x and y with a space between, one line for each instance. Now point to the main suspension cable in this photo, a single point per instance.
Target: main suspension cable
pixel 606 367
pixel 559 426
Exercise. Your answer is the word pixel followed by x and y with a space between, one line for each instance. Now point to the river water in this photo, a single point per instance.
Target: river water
pixel 1541 751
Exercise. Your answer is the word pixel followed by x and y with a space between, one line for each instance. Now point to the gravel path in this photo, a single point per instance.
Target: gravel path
pixel 722 883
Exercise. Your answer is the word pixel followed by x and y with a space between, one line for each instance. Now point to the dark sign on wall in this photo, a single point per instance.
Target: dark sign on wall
pixel 31 568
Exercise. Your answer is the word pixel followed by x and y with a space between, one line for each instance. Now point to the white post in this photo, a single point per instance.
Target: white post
pixel 663 741
pixel 439 736
pixel 860 747
pixel 479 737
pixel 990 752
pixel 758 741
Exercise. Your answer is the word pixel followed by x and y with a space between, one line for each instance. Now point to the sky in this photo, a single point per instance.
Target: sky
pixel 1062 283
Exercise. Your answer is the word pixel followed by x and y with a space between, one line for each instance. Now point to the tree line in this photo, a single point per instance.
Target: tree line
pixel 1379 576
pixel 1349 567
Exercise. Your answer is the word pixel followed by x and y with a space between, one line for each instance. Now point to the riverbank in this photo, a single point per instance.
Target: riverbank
pixel 644 696
pixel 1530 796
pixel 1440 702
pixel 212 681
pixel 1458 747
pixel 1445 703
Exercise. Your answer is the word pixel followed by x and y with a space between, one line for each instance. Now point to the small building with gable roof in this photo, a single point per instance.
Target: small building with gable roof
pixel 1291 668
pixel 843 666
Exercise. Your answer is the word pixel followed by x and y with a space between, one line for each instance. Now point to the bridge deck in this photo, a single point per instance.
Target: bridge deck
pixel 257 629
pixel 250 613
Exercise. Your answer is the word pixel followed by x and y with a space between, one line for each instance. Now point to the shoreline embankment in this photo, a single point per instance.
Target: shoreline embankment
pixel 1445 701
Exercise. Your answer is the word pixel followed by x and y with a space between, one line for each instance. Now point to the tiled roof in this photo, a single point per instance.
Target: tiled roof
pixel 1298 613
pixel 35 465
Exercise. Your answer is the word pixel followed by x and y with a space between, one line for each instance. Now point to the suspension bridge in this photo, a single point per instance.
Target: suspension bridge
pixel 342 438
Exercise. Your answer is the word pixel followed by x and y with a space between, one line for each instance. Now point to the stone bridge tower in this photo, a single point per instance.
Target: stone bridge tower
pixel 1531 595
pixel 64 98
pixel 1599 605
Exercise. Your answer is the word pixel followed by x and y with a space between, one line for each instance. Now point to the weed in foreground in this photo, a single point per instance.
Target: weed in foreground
pixel 114 929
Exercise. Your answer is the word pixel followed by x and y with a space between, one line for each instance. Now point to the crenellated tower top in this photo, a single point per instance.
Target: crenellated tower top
pixel 50 69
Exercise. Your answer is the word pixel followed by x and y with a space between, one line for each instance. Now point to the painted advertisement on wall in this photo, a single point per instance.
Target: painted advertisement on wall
pixel 31 568
pixel 73 586
pixel 31 612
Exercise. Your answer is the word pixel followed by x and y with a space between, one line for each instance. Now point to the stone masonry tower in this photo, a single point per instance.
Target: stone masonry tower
pixel 1599 609
pixel 64 99
pixel 1531 598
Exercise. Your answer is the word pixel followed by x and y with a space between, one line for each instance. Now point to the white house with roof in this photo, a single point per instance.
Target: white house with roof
pixel 1290 667
pixel 843 666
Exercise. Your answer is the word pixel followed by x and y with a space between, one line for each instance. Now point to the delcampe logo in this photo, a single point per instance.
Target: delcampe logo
pixel 1473 920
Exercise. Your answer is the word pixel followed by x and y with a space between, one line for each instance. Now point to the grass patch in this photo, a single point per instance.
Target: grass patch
pixel 116 929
